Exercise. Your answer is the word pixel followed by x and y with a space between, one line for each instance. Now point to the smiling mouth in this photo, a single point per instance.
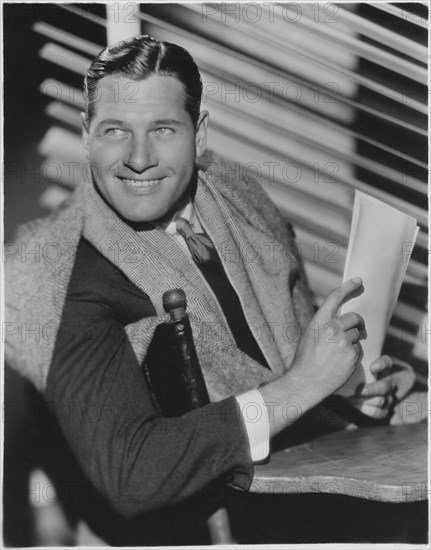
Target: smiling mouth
pixel 136 183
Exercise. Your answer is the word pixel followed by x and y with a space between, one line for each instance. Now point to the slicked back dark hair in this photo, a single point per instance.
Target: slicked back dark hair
pixel 139 58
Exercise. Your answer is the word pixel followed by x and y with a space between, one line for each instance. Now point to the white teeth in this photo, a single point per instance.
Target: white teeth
pixel 140 183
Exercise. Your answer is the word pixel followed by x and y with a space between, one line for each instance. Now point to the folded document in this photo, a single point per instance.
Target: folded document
pixel 381 239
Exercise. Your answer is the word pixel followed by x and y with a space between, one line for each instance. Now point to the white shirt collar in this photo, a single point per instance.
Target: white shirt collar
pixel 188 212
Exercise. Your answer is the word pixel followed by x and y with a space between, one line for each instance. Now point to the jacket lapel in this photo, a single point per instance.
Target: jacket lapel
pixel 257 265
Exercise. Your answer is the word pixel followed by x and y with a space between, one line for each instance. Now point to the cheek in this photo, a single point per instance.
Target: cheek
pixel 180 156
pixel 106 154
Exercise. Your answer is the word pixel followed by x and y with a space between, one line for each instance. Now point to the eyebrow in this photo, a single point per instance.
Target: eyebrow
pixel 167 122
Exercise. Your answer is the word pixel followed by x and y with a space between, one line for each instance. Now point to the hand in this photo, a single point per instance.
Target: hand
pixel 325 359
pixel 393 381
pixel 329 348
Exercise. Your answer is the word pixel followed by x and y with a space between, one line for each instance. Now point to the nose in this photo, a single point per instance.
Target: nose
pixel 141 155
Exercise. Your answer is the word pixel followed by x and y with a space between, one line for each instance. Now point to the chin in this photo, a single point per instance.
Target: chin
pixel 140 217
pixel 136 218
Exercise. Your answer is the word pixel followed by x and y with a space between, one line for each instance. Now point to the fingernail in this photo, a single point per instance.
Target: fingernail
pixel 357 280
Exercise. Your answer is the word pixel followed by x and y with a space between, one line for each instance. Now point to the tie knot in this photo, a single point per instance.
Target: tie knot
pixel 200 246
pixel 184 228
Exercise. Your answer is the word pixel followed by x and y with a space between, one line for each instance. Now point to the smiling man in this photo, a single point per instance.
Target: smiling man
pixel 145 137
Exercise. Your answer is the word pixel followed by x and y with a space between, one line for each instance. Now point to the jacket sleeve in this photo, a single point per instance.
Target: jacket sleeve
pixel 139 461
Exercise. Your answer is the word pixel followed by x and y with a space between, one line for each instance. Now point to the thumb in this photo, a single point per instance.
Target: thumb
pixel 343 293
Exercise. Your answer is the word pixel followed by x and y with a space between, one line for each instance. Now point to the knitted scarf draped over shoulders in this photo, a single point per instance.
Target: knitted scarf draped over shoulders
pixel 254 244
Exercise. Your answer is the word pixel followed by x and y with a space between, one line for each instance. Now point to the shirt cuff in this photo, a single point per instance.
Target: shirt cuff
pixel 255 415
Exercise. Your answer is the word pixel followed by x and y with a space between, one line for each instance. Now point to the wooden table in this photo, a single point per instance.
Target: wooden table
pixel 385 463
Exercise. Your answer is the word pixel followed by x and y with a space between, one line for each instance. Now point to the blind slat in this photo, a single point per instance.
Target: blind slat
pixel 67 38
pixel 402 14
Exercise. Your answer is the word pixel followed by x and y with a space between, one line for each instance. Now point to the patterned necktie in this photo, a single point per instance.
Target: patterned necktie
pixel 200 246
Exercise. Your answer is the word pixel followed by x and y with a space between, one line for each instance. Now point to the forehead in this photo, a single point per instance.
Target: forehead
pixel 155 96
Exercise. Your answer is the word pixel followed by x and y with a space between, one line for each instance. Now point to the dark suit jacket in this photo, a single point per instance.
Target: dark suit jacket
pixel 138 461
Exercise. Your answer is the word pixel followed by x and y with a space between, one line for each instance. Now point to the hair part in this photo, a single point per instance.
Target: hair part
pixel 139 58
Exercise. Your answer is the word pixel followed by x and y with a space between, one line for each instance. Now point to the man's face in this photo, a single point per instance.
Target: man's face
pixel 142 145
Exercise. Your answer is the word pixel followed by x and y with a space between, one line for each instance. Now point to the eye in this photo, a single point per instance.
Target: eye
pixel 163 131
pixel 115 132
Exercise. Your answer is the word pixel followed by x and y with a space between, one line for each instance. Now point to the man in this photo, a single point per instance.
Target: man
pixel 127 243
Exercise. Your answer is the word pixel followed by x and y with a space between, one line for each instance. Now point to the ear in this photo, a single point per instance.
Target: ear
pixel 85 136
pixel 201 133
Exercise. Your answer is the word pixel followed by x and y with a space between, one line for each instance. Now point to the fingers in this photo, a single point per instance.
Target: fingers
pixel 392 378
pixel 340 295
pixel 381 366
pixel 351 320
pixel 384 386
pixel 404 378
pixel 380 401
pixel 403 381
pixel 352 335
pixel 352 325
pixel 376 407
pixel 373 411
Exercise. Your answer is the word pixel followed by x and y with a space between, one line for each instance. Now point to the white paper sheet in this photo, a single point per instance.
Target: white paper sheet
pixel 381 238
